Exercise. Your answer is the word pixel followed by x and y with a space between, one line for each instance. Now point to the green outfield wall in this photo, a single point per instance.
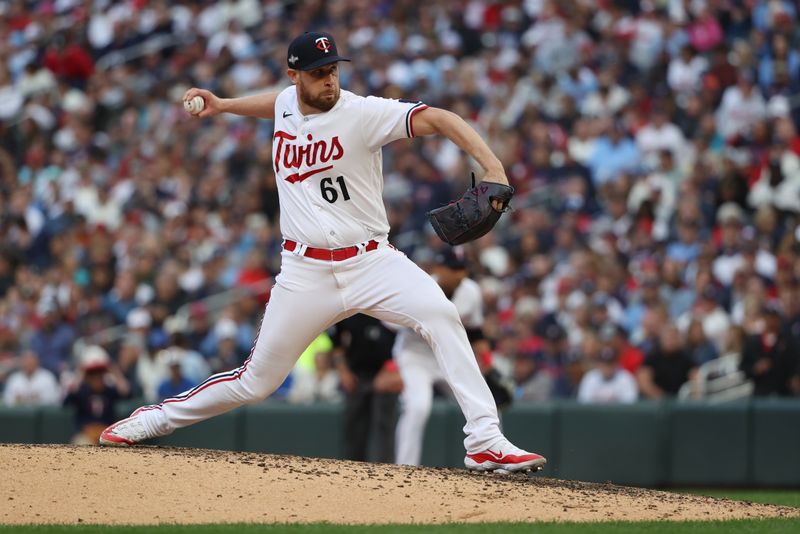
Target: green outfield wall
pixel 748 444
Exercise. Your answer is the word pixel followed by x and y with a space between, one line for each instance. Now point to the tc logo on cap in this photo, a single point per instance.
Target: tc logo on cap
pixel 323 44
pixel 312 50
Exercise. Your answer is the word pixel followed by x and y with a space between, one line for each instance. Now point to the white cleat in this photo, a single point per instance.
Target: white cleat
pixel 125 432
pixel 504 457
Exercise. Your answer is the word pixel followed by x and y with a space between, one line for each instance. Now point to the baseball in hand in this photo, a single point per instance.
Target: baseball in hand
pixel 194 105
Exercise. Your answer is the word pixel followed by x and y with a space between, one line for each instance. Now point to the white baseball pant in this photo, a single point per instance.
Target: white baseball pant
pixel 419 372
pixel 311 295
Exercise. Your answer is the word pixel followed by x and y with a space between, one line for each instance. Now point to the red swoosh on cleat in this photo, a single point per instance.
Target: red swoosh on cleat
pixel 496 455
pixel 297 177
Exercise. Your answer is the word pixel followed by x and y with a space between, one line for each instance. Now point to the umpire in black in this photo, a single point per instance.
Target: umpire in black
pixel 362 354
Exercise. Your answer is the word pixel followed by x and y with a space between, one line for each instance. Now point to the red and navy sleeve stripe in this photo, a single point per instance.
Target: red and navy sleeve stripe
pixel 419 106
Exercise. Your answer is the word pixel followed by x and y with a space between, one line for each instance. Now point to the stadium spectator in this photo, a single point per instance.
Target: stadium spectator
pixel 223 346
pixel 685 72
pixel 640 301
pixel 94 395
pixel 666 368
pixel 52 341
pixel 686 248
pixel 770 358
pixel 614 153
pixel 301 384
pixel 700 349
pixel 68 59
pixel 31 385
pixel 778 183
pixel 710 314
pixel 319 384
pixel 705 32
pixel 608 383
pixel 629 357
pixel 742 106
pixel 677 295
pixel 731 218
pixel 167 298
pixel 199 327
pixel 546 378
pixel 657 136
pixel 177 382
pixel 645 141
pixel 122 298
pixel 193 365
pixel 150 370
pixel 779 58
pixel 131 349
pixel 92 316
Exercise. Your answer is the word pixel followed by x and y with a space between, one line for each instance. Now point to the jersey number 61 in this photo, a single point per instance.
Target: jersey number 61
pixel 329 191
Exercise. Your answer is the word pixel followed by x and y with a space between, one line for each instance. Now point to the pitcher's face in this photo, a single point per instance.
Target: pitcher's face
pixel 319 88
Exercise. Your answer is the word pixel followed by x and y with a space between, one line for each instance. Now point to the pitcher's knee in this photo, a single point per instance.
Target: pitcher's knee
pixel 440 311
pixel 255 389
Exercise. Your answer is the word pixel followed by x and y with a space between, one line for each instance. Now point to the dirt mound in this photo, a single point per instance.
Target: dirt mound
pixel 146 485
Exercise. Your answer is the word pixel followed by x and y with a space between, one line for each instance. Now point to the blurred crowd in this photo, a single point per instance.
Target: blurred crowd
pixel 653 146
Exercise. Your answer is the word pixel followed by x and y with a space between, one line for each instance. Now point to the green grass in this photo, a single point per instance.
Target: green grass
pixel 776 526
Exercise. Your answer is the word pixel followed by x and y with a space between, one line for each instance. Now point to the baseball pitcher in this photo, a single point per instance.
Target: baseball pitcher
pixel 336 259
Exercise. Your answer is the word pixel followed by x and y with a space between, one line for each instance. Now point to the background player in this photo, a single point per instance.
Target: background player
pixel 336 260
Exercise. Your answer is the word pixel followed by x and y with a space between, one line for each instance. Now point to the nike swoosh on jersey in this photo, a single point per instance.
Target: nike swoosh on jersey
pixel 297 177
pixel 286 114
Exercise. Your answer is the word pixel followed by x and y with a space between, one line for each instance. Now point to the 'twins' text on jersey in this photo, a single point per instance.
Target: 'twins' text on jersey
pixel 293 155
pixel 329 167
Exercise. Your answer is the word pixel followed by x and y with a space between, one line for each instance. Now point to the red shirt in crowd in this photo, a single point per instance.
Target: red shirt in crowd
pixel 630 358
pixel 72 62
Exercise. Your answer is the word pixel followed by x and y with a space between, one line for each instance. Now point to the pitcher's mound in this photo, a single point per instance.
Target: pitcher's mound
pixel 146 485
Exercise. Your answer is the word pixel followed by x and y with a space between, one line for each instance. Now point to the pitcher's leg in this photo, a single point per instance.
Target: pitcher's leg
pixel 291 322
pixel 394 289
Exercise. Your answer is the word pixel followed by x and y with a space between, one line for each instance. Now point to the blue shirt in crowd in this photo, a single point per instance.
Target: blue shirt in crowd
pixel 609 160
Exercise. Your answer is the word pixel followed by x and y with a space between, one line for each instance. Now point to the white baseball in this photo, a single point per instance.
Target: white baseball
pixel 195 105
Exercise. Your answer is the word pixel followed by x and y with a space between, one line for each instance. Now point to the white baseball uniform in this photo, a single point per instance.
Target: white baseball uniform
pixel 420 371
pixel 329 172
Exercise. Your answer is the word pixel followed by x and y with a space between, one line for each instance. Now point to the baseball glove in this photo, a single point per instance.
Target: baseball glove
pixel 473 215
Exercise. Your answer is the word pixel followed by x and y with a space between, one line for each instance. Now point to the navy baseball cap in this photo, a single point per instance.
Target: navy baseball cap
pixel 313 50
pixel 451 258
